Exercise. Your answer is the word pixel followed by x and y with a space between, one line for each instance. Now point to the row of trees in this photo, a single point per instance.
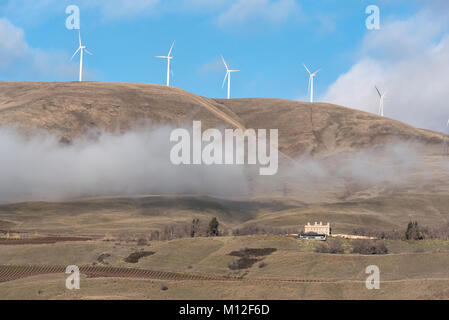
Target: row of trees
pixel 252 229
pixel 412 232
pixel 198 228
pixel 334 246
pixel 185 230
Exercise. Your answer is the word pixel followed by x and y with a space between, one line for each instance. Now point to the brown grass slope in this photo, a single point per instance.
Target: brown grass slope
pixel 322 128
pixel 70 109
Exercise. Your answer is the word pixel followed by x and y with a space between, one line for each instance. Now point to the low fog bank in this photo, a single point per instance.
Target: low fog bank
pixel 39 168
pixel 395 166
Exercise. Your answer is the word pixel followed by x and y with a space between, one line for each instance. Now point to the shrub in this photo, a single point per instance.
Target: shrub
pixel 334 247
pixel 245 252
pixel 322 248
pixel 135 256
pixel 248 257
pixel 369 247
pixel 164 287
pixel 233 265
pixel 380 234
pixel 242 263
pixel 255 229
pixel 103 256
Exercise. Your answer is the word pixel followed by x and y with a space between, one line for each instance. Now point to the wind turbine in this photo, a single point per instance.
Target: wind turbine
pixel 81 49
pixel 382 97
pixel 311 76
pixel 228 75
pixel 168 57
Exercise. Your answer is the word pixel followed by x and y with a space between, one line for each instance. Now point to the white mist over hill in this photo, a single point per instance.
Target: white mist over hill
pixel 38 167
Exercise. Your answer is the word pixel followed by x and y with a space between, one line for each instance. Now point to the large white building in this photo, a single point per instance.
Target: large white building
pixel 318 228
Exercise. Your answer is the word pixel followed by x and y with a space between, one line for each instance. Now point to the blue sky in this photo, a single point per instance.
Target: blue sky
pixel 267 39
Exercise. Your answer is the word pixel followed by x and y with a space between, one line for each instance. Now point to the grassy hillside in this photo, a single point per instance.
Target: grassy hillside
pixel 404 269
pixel 70 109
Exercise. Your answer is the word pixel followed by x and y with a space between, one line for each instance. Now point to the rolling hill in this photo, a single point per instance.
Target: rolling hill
pixel 70 109
pixel 350 167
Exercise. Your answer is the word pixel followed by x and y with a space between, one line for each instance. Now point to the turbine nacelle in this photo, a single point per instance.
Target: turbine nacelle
pixel 311 74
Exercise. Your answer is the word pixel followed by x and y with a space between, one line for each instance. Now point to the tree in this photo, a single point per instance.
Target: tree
pixel 413 232
pixel 195 227
pixel 213 227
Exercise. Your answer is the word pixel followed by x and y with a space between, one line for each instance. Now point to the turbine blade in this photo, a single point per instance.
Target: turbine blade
pixel 224 62
pixel 378 92
pixel 171 48
pixel 75 53
pixel 224 80
pixel 306 68
pixel 79 36
pixel 162 57
pixel 85 50
pixel 314 74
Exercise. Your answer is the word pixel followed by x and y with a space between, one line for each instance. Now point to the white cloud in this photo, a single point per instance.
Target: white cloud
pixel 12 43
pixel 410 60
pixel 247 12
pixel 20 61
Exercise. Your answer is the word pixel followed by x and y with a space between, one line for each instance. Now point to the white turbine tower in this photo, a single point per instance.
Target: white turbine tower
pixel 381 101
pixel 228 75
pixel 311 76
pixel 446 142
pixel 81 50
pixel 168 57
